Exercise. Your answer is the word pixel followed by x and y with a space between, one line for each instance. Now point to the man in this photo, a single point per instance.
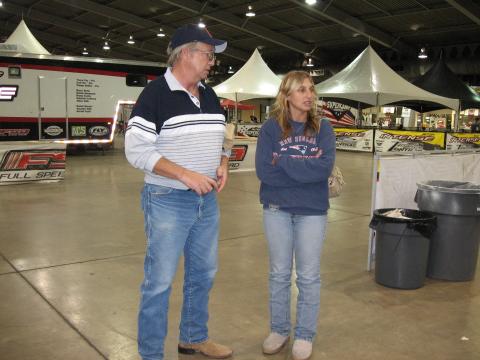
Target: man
pixel 175 135
pixel 475 128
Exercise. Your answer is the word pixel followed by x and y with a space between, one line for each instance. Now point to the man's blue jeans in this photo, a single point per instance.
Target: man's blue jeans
pixel 176 221
pixel 302 237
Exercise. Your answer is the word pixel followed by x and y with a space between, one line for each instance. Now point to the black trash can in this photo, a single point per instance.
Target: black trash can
pixel 455 242
pixel 402 246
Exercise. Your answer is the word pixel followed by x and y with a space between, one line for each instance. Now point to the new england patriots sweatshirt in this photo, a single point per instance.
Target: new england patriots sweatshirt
pixel 297 180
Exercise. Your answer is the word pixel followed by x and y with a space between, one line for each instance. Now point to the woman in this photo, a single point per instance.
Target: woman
pixel 294 158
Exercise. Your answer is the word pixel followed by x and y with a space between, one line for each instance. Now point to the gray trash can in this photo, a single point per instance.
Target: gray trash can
pixel 402 245
pixel 454 243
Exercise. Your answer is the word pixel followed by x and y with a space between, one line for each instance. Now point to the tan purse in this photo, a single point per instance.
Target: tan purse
pixel 335 182
pixel 229 136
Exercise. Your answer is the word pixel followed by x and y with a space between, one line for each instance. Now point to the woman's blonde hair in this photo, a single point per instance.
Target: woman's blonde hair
pixel 280 109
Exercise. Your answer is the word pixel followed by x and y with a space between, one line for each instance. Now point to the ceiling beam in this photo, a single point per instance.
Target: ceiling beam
pixel 467 8
pixel 240 24
pixel 72 45
pixel 327 10
pixel 441 30
pixel 76 26
pixel 141 23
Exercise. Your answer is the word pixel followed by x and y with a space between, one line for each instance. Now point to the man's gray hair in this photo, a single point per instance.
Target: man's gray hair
pixel 174 54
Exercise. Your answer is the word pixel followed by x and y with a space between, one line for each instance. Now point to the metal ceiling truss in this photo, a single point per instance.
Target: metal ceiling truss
pixel 328 11
pixel 467 8
pixel 141 23
pixel 56 40
pixel 75 26
pixel 240 24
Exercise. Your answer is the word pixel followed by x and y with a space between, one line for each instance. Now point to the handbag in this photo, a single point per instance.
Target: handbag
pixel 229 136
pixel 335 182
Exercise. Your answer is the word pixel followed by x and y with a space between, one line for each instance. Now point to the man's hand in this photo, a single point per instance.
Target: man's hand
pixel 222 173
pixel 199 183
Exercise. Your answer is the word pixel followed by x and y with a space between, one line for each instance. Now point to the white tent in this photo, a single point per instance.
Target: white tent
pixel 22 40
pixel 253 80
pixel 369 80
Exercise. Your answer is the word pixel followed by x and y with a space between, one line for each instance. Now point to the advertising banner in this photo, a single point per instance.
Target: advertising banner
pixel 338 114
pixel 22 162
pixel 407 141
pixel 242 157
pixel 354 139
pixel 460 141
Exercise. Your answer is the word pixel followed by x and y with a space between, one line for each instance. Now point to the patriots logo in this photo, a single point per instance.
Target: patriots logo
pixel 301 148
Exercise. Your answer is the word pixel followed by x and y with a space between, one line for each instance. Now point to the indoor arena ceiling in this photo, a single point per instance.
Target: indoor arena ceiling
pixel 333 32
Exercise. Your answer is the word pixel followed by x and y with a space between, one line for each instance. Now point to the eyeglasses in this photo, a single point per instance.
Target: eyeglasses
pixel 210 54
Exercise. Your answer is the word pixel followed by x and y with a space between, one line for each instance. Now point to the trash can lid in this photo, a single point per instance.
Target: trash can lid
pixel 458 187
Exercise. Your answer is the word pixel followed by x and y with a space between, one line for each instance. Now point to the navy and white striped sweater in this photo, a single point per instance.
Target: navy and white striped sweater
pixel 167 121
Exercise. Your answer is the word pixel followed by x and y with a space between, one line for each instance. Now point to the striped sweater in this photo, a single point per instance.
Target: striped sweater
pixel 167 121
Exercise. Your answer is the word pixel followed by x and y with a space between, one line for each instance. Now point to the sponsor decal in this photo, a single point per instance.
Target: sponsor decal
pixel 406 147
pixel 405 141
pixel 79 130
pixel 354 139
pixel 457 141
pixel 238 152
pixel 8 92
pixel 53 130
pixel 424 138
pixel 350 133
pixel 249 130
pixel 14 132
pixel 15 160
pixel 98 130
pixel 253 132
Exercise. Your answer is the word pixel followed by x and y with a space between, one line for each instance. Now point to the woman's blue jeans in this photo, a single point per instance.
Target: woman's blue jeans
pixel 298 237
pixel 176 222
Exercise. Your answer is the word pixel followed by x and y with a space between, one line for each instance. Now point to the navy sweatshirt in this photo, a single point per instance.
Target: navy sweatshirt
pixel 298 181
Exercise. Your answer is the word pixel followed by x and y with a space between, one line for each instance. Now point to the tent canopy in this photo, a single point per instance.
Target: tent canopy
pixel 22 40
pixel 371 82
pixel 253 80
pixel 443 81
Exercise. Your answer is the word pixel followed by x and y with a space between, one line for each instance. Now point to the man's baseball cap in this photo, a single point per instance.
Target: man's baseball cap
pixel 191 33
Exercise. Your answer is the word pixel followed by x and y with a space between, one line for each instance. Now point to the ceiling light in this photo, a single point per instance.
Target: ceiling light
pixel 422 54
pixel 201 25
pixel 250 12
pixel 230 70
pixel 310 2
pixel 160 33
pixel 130 40
pixel 106 46
pixel 85 51
pixel 1 3
pixel 308 61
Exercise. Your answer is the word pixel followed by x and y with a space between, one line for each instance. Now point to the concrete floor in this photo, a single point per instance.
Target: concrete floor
pixel 71 257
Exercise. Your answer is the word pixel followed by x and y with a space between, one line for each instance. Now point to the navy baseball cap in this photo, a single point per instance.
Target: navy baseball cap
pixel 191 33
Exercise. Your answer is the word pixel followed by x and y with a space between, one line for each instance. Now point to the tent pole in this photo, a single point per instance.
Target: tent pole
pixel 236 106
pixel 456 126
pixel 359 114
